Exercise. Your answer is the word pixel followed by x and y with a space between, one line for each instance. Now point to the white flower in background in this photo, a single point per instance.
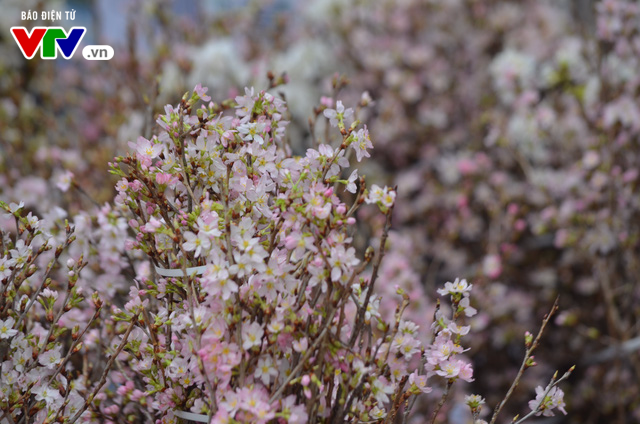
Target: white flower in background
pixel 64 179
pixel 570 55
pixel 511 70
pixel 305 62
pixel 523 133
pixel 218 64
pixel 492 266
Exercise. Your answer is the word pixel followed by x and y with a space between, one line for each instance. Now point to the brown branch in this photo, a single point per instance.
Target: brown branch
pixel 524 365
pixel 103 378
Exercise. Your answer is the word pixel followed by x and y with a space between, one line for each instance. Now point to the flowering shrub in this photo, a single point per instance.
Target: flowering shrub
pixel 47 330
pixel 508 127
pixel 258 307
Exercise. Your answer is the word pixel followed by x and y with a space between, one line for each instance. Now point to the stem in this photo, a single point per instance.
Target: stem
pixel 85 194
pixel 374 276
pixel 527 355
pixel 183 148
pixel 306 357
pixel 32 300
pixel 553 383
pixel 103 378
pixel 443 399
pixel 73 346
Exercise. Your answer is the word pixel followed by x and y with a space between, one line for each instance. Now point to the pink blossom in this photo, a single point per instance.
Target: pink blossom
pixel 252 335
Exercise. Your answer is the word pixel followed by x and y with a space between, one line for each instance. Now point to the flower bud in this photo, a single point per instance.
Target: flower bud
pixel 305 380
pixel 528 339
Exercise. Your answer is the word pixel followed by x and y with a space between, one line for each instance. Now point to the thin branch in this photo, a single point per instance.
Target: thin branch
pixel 374 276
pixel 443 399
pixel 103 378
pixel 524 365
pixel 553 383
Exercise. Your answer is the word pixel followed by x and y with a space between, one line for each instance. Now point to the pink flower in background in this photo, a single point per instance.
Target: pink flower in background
pixel 64 180
pixel 492 266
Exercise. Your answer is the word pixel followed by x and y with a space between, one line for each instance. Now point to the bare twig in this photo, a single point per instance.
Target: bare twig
pixel 381 251
pixel 524 365
pixel 443 399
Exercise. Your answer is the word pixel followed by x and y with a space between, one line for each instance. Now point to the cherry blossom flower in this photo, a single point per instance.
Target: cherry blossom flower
pixel 339 115
pixel 420 381
pixel 340 260
pixel 145 149
pixel 201 92
pixel 252 335
pixel 545 404
pixel 381 389
pixel 351 182
pixel 199 243
pixel 361 143
pixel 64 180
pixel 5 267
pixel 6 328
pixel 47 394
pixel 385 196
pixel 457 287
pixel 252 132
pixel 265 371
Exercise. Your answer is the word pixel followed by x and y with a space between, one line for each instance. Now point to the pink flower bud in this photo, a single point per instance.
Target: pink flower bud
pixel 163 178
pixel 290 242
pixel 305 380
pixel 520 225
pixel 326 101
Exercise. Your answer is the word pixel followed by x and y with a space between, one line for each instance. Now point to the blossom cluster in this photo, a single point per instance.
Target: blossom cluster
pixel 258 306
pixel 46 324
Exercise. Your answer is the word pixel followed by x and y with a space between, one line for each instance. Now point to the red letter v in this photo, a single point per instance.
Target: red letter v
pixel 28 43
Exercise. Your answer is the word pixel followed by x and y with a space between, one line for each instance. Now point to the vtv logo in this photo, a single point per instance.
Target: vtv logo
pixel 52 39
